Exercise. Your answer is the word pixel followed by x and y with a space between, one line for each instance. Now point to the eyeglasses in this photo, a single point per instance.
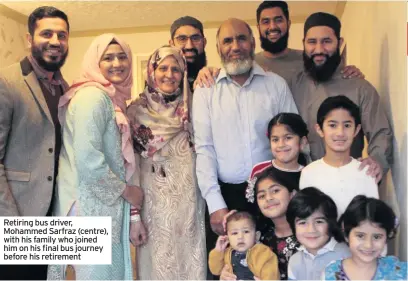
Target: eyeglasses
pixel 182 39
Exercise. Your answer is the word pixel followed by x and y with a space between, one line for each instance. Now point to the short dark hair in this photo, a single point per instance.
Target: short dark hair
pixel 294 124
pixel 337 102
pixel 241 216
pixel 309 200
pixel 363 208
pixel 45 12
pixel 272 4
pixel 272 174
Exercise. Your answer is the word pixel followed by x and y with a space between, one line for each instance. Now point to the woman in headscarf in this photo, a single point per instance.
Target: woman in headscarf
pixel 173 211
pixel 97 159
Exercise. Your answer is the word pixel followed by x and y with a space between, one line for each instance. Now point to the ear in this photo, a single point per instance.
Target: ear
pixel 341 42
pixel 257 236
pixel 253 43
pixel 29 40
pixel 218 49
pixel 171 42
pixel 293 193
pixel 358 128
pixel 303 143
pixel 319 131
pixel 205 42
pixel 289 23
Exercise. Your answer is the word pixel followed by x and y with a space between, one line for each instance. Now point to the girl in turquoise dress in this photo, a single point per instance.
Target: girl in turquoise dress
pixel 368 224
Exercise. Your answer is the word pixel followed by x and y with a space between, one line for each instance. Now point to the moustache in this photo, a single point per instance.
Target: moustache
pixel 194 50
pixel 272 30
pixel 315 55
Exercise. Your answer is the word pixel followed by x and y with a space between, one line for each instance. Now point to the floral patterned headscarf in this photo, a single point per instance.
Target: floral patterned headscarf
pixel 155 116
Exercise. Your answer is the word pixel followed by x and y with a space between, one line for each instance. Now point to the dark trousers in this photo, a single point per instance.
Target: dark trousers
pixel 25 271
pixel 234 197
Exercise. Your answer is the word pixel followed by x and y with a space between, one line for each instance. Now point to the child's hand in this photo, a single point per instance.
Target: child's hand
pixel 222 243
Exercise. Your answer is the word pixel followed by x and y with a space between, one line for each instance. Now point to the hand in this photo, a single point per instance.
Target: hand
pixel 224 220
pixel 206 77
pixel 226 273
pixel 138 235
pixel 352 71
pixel 222 243
pixel 374 168
pixel 216 219
pixel 134 195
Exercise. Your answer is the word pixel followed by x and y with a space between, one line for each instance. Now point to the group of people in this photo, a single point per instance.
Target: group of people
pixel 186 168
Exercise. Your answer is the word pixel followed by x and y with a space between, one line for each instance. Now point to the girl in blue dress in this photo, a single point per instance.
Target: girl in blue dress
pixel 368 224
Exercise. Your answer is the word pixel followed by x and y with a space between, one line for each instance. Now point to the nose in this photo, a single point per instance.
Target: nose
pixel 235 45
pixel 281 142
pixel 311 227
pixel 54 39
pixel 115 62
pixel 169 73
pixel 340 131
pixel 368 243
pixel 319 48
pixel 241 235
pixel 189 44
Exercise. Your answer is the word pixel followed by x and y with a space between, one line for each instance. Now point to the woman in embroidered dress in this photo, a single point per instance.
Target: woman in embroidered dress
pixel 173 211
pixel 97 160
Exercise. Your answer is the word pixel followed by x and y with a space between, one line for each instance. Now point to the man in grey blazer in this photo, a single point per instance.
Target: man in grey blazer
pixel 30 138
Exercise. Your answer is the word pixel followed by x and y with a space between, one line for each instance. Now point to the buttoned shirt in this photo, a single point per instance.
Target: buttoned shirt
pixel 230 125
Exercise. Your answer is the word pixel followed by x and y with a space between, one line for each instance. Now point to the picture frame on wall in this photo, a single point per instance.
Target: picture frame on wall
pixel 139 75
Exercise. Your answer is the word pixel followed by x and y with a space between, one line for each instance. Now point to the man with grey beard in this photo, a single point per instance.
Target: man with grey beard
pixel 230 120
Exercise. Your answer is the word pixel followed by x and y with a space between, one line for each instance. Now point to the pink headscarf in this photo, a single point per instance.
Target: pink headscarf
pixel 91 76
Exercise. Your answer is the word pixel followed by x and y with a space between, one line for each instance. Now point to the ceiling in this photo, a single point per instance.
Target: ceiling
pixel 86 16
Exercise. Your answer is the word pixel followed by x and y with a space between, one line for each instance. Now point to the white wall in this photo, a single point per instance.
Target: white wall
pixel 12 41
pixel 376 42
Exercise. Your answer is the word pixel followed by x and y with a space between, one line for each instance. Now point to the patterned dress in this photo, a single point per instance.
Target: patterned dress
pixel 173 213
pixel 283 247
pixel 388 268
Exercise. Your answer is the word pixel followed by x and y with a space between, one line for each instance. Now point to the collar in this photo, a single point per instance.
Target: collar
pixel 329 247
pixel 54 78
pixel 255 70
pixel 300 167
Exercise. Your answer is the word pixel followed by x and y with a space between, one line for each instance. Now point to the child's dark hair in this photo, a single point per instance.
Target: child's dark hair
pixel 363 208
pixel 241 216
pixel 337 102
pixel 309 200
pixel 271 173
pixel 294 124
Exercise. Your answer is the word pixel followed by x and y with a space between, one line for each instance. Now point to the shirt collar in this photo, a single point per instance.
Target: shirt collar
pixel 329 247
pixel 255 70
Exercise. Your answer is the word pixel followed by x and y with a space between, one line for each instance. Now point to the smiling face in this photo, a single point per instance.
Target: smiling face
pixel 49 43
pixel 339 130
pixel 367 241
pixel 241 234
pixel 168 75
pixel 114 64
pixel 312 232
pixel 273 198
pixel 285 145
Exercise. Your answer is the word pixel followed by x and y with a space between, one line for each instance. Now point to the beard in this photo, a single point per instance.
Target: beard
pixel 53 66
pixel 274 47
pixel 194 67
pixel 238 66
pixel 322 73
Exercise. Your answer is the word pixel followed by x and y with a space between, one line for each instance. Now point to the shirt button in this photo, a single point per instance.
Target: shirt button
pixel 49 178
pixel 50 150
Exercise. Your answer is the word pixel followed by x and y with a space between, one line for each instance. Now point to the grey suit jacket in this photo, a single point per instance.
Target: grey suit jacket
pixel 27 142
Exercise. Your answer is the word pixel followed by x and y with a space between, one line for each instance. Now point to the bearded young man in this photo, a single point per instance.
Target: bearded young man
pixel 322 78
pixel 188 35
pixel 30 138
pixel 230 121
pixel 273 22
